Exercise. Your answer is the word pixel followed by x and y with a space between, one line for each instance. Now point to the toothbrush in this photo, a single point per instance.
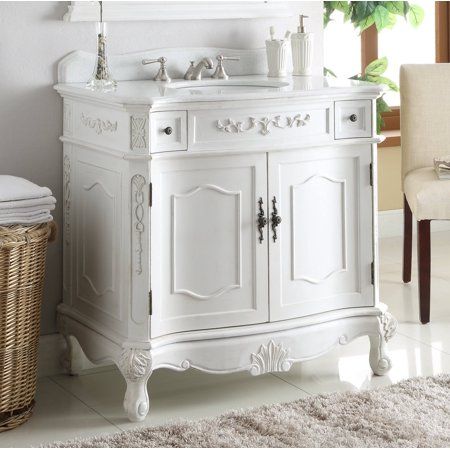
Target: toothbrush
pixel 272 33
pixel 287 35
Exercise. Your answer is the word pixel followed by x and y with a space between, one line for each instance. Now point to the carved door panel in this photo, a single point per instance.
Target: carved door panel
pixel 97 225
pixel 321 259
pixel 209 268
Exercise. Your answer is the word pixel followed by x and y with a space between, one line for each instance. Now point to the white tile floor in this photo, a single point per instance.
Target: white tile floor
pixel 90 404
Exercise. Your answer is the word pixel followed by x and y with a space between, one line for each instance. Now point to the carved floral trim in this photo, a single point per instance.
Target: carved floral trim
pixel 137 198
pixel 233 126
pixel 67 198
pixel 270 358
pixel 388 324
pixel 67 118
pixel 98 125
pixel 139 134
pixel 135 363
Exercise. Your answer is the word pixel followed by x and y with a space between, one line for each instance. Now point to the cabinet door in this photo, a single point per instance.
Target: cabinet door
pixel 209 268
pixel 321 260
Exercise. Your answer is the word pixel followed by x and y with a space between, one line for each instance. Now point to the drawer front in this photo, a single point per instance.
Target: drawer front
pixel 262 128
pixel 168 131
pixel 353 119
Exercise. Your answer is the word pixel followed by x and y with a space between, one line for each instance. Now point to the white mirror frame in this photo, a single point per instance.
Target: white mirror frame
pixel 81 11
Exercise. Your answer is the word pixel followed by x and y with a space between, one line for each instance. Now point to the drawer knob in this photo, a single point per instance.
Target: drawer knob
pixel 168 131
pixel 353 118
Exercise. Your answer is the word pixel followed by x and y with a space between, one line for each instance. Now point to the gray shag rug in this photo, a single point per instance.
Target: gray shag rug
pixel 413 413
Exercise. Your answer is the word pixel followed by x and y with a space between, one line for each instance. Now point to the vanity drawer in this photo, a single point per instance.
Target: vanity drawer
pixel 261 128
pixel 168 131
pixel 353 119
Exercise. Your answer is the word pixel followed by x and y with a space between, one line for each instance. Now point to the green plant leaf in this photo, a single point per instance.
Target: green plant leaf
pixel 362 10
pixel 381 16
pixel 328 10
pixel 383 80
pixel 395 7
pixel 342 6
pixel 389 83
pixel 366 23
pixel 392 20
pixel 327 71
pixel 382 107
pixel 415 15
pixel 377 67
pixel 405 8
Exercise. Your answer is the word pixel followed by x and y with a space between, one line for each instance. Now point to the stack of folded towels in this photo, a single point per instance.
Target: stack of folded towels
pixel 23 202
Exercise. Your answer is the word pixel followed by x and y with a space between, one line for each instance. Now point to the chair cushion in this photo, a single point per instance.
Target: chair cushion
pixel 427 195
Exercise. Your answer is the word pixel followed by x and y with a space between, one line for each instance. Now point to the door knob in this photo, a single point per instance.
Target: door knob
pixel 168 131
pixel 353 118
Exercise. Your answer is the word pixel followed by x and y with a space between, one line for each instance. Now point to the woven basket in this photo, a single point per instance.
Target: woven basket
pixel 22 268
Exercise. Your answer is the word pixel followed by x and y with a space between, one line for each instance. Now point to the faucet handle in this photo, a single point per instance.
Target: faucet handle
pixel 220 70
pixel 162 74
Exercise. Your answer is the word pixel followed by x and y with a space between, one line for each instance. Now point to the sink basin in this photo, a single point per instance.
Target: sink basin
pixel 217 87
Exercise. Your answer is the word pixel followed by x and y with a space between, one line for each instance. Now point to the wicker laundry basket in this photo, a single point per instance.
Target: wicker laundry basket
pixel 22 267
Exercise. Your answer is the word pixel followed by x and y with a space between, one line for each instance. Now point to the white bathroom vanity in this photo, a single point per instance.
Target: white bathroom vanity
pixel 220 225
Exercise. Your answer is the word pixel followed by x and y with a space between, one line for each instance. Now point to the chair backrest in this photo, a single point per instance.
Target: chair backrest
pixel 425 114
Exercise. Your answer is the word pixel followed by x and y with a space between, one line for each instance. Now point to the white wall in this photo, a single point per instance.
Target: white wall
pixel 32 40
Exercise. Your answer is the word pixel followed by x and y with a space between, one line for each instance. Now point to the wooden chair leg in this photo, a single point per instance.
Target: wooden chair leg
pixel 424 263
pixel 407 241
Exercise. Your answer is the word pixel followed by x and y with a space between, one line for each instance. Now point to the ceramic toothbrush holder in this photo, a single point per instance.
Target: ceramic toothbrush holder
pixel 277 57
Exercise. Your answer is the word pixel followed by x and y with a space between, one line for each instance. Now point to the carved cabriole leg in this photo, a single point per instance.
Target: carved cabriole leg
pixel 71 359
pixel 378 357
pixel 136 367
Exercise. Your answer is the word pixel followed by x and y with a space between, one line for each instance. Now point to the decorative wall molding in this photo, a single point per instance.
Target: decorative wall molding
pixel 176 10
pixel 98 125
pixel 137 200
pixel 67 198
pixel 139 132
pixel 270 358
pixel 233 126
pixel 388 325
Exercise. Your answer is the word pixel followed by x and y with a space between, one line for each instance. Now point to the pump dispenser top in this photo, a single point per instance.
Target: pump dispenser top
pixel 301 27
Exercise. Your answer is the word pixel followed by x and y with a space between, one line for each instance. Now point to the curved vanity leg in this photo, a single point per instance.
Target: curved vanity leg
pixel 378 357
pixel 71 358
pixel 136 367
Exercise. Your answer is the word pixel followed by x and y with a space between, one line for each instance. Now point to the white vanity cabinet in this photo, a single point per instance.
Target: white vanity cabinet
pixel 225 232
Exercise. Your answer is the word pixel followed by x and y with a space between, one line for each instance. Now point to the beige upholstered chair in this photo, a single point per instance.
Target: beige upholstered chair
pixel 425 131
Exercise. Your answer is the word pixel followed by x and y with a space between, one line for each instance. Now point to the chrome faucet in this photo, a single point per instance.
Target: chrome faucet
pixel 196 74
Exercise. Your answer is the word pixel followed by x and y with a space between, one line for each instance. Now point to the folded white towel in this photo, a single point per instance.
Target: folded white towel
pixel 15 188
pixel 30 215
pixel 30 203
pixel 40 218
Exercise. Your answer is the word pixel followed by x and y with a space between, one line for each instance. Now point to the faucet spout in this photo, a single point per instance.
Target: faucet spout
pixel 205 63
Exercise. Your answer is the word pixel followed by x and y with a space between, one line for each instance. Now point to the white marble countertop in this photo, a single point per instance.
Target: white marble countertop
pixel 147 92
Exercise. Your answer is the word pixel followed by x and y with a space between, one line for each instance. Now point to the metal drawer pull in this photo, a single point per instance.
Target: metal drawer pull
pixel 353 118
pixel 262 221
pixel 276 219
pixel 168 131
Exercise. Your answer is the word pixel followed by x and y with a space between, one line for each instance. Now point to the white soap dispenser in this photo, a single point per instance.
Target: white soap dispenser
pixel 302 50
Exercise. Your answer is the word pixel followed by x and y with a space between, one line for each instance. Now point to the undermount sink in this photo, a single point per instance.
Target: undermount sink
pixel 202 87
